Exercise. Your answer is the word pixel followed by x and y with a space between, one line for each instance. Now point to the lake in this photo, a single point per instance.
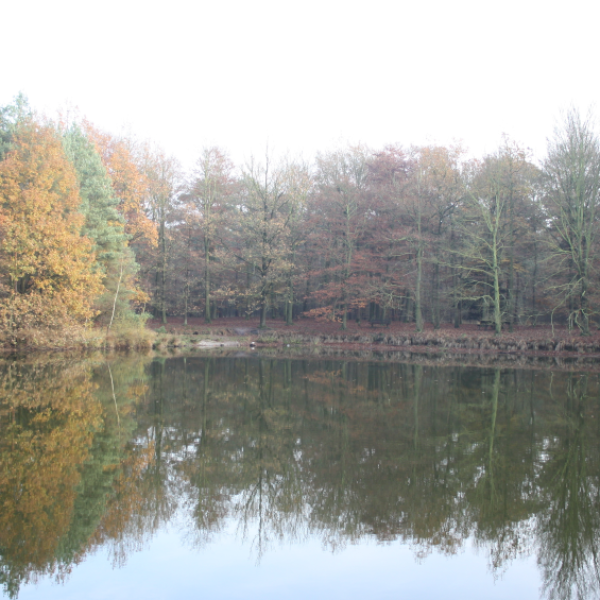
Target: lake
pixel 256 476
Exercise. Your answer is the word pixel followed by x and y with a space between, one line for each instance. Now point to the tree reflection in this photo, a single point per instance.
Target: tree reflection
pixel 570 522
pixel 48 419
pixel 286 449
pixel 59 460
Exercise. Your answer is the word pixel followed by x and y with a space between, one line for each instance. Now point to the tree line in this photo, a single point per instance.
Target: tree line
pixel 102 229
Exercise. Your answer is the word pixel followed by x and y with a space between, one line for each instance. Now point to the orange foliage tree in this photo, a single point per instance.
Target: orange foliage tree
pixel 47 277
pixel 130 183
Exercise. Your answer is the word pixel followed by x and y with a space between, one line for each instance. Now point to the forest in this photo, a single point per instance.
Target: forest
pixel 99 233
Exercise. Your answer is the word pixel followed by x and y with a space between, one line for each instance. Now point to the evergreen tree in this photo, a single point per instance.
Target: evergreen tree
pixel 104 226
pixel 103 223
pixel 10 116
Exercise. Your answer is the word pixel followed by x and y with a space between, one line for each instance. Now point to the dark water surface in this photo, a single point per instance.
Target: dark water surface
pixel 248 477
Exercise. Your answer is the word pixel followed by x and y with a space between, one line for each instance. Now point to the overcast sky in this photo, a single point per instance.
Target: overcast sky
pixel 305 76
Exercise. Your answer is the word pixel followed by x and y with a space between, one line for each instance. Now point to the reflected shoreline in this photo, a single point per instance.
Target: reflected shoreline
pixel 102 454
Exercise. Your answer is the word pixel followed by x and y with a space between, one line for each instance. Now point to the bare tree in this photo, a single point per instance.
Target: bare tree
pixel 572 181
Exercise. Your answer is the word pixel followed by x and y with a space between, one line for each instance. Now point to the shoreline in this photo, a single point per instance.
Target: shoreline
pixel 468 339
pixel 239 333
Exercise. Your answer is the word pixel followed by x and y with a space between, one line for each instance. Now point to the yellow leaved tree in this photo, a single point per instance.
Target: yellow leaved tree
pixel 47 279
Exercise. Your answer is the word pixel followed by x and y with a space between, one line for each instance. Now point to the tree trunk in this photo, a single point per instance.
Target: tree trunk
pixel 435 296
pixel 289 314
pixel 163 272
pixel 418 311
pixel 584 324
pixel 496 275
pixel 207 318
pixel 264 304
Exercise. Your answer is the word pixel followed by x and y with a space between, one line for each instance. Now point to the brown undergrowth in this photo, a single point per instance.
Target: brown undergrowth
pixel 78 338
pixel 468 338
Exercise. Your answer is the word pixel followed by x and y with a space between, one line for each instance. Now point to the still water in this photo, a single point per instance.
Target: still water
pixel 249 477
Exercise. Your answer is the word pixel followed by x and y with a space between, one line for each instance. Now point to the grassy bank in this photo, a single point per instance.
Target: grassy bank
pixel 79 338
pixel 307 332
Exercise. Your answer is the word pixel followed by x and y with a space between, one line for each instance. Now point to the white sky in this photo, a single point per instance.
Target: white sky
pixel 304 76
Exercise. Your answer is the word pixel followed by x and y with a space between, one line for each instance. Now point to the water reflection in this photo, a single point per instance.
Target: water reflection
pixel 103 453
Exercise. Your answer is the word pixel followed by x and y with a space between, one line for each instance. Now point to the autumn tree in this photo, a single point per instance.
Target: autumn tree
pixel 413 201
pixel 124 164
pixel 263 219
pixel 298 184
pixel 211 185
pixel 162 174
pixel 186 254
pixel 341 180
pixel 440 191
pixel 47 266
pixel 386 244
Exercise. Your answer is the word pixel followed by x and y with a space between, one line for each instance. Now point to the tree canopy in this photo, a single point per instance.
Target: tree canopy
pixel 98 228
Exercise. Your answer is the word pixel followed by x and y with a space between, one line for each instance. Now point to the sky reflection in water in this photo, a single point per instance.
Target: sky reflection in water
pixel 227 569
